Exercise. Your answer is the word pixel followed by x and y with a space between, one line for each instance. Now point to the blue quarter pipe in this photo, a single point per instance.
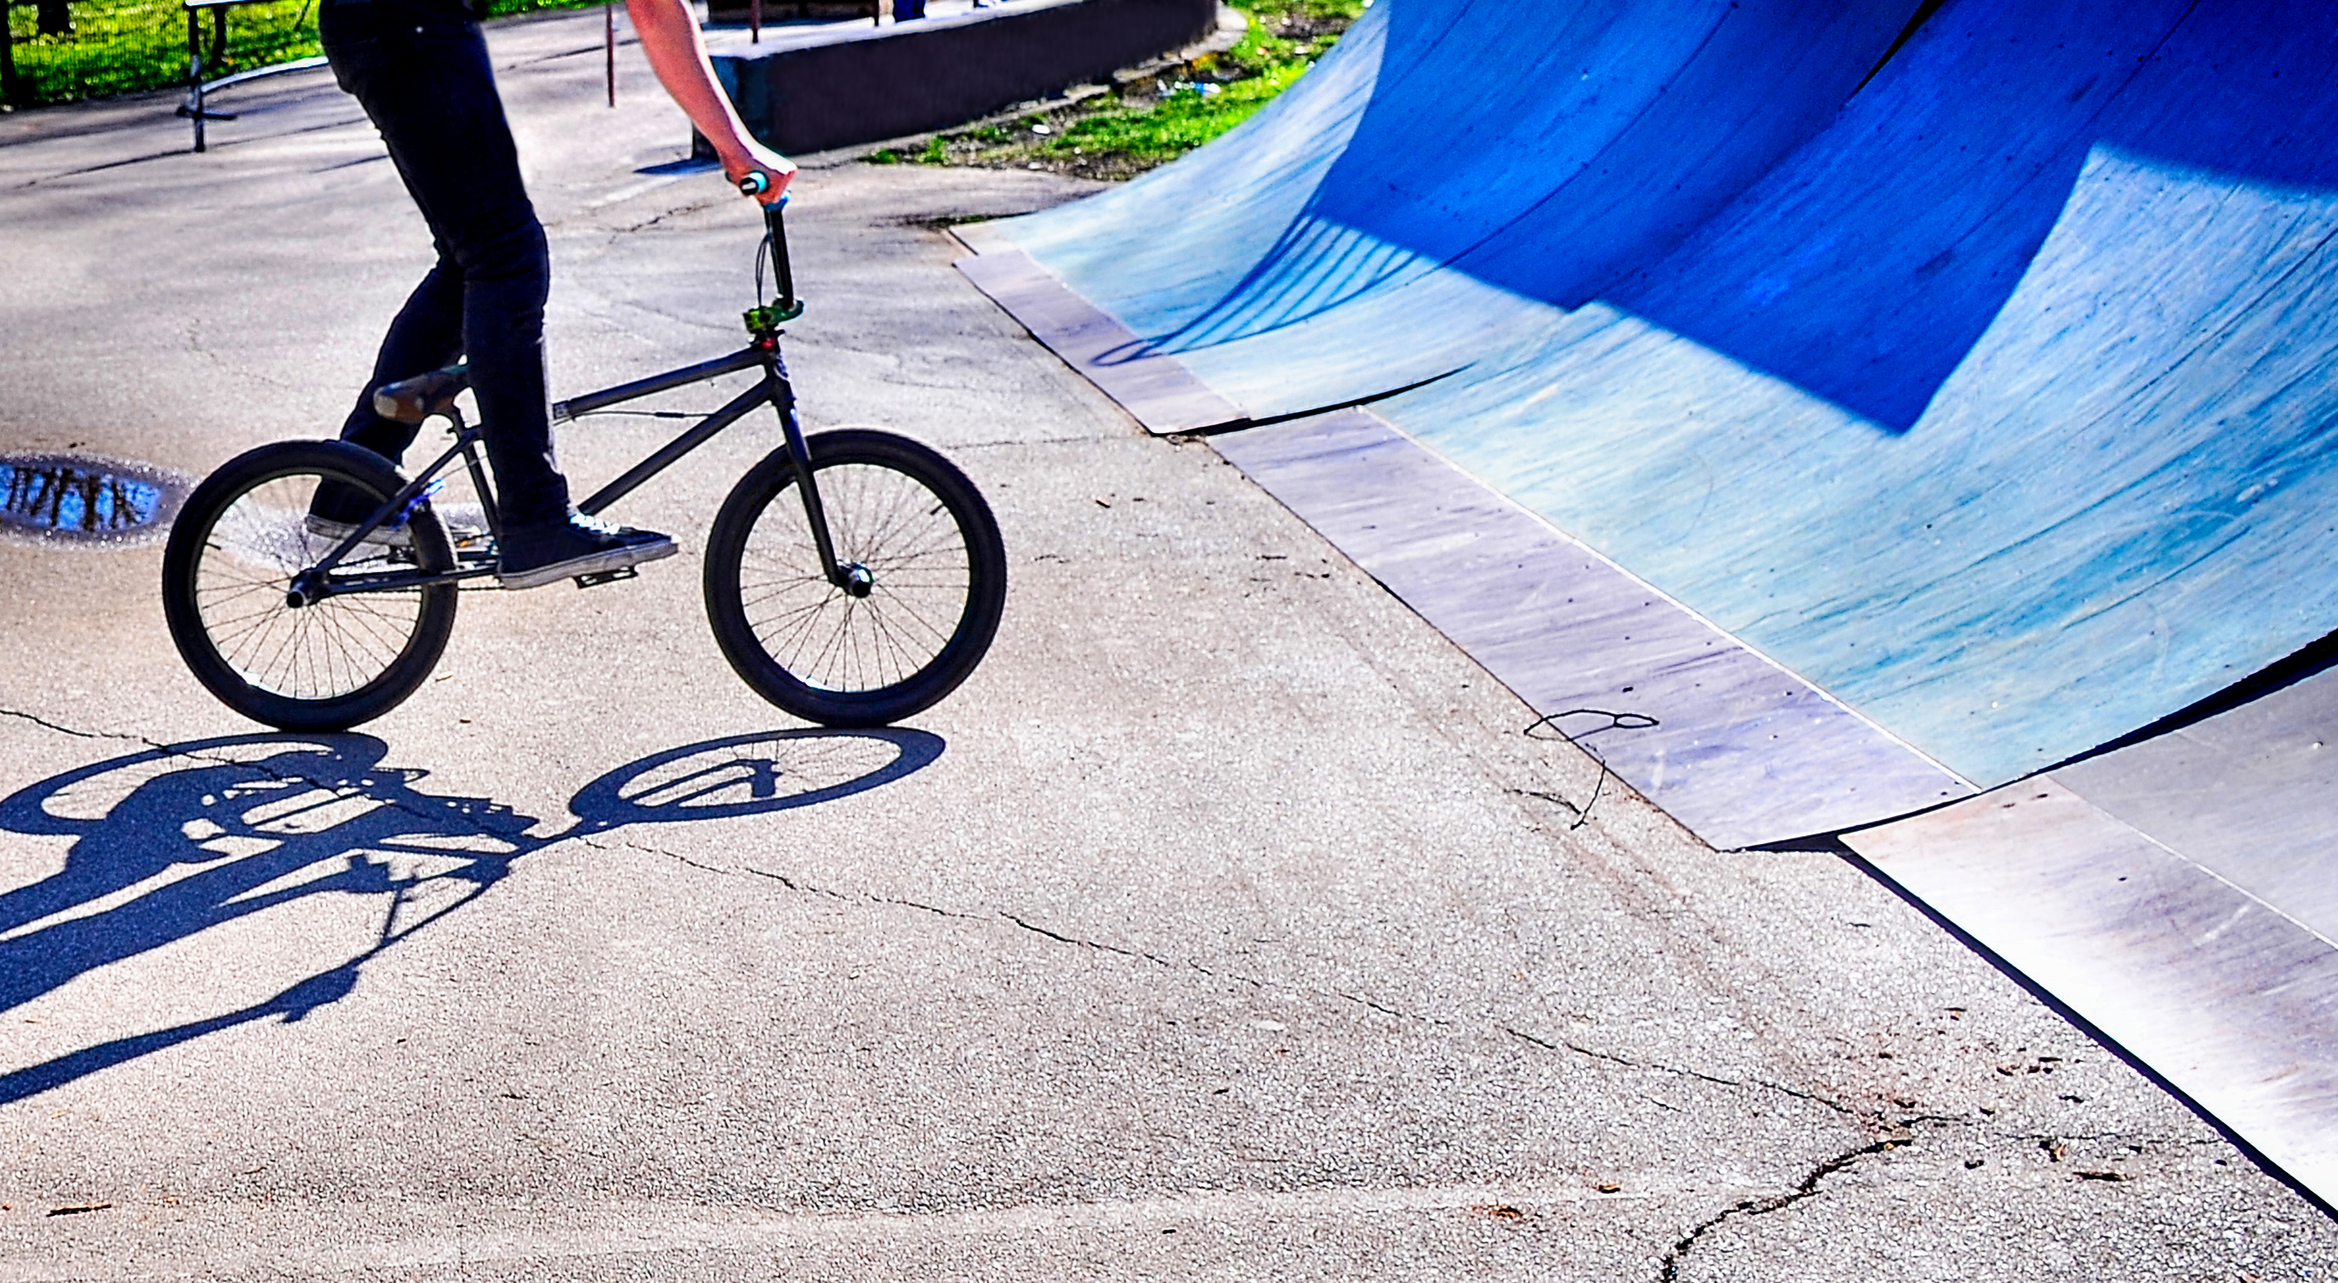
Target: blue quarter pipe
pixel 1982 389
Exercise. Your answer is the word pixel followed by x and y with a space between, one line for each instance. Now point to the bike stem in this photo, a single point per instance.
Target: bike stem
pixel 781 269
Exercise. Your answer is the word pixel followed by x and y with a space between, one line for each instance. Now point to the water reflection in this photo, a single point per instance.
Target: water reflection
pixel 78 497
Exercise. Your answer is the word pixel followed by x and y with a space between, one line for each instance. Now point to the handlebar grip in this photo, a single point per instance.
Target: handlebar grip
pixel 781 268
pixel 755 183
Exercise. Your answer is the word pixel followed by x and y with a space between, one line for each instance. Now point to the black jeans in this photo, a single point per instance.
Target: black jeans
pixel 420 70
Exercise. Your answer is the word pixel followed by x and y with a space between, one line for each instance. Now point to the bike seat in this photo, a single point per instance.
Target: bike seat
pixel 415 399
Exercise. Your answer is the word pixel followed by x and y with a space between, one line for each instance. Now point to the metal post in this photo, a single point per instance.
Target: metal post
pixel 10 93
pixel 8 64
pixel 754 22
pixel 609 31
pixel 195 70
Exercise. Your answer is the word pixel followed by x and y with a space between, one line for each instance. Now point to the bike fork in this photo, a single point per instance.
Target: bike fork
pixel 783 400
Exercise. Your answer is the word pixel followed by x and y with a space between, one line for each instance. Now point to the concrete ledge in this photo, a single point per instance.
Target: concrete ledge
pixel 841 87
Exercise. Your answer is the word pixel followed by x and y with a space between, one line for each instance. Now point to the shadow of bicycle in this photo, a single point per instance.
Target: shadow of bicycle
pixel 171 843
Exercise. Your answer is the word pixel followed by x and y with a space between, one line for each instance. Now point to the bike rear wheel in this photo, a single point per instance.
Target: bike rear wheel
pixel 227 591
pixel 929 581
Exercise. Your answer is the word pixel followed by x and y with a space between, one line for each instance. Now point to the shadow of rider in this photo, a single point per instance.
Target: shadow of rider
pixel 235 831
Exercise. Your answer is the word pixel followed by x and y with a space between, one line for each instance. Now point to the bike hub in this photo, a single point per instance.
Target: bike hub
pixel 308 588
pixel 858 581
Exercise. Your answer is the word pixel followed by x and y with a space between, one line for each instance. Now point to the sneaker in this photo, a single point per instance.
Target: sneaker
pixel 532 556
pixel 336 511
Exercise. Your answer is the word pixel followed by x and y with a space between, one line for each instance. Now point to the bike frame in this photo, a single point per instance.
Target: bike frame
pixel 315 584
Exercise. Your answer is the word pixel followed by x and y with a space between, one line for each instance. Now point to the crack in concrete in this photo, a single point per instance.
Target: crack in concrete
pixel 646 850
pixel 48 725
pixel 196 345
pixel 1252 981
pixel 677 211
pixel 1382 1008
pixel 801 887
pixel 1668 1269
pixel 1552 798
pixel 1677 1071
pixel 807 888
pixel 1088 944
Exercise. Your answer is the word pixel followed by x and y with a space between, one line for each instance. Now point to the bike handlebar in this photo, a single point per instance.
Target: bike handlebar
pixel 755 183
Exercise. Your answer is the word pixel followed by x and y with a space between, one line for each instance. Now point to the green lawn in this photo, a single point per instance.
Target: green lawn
pixel 122 46
pixel 1124 134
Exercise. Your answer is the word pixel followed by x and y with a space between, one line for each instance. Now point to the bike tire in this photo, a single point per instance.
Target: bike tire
pixel 937 569
pixel 226 574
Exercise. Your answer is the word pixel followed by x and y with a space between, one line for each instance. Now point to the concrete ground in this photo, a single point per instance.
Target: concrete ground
pixel 1226 924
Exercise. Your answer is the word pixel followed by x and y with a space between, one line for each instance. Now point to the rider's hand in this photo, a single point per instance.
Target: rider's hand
pixel 677 53
pixel 752 157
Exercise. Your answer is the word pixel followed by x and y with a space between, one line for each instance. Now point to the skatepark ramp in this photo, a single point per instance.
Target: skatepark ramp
pixel 1823 413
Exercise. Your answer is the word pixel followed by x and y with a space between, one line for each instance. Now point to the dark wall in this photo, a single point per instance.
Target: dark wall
pixel 862 85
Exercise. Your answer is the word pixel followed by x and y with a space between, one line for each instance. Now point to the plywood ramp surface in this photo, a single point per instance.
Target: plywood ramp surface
pixel 1736 748
pixel 2179 895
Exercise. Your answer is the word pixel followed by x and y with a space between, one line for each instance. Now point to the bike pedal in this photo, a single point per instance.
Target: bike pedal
pixel 606 577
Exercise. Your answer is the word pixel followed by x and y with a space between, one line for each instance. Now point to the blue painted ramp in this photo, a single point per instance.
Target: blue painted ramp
pixel 1452 167
pixel 2002 409
pixel 1983 395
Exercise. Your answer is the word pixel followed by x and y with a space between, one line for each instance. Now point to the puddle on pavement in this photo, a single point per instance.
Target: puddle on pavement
pixel 87 500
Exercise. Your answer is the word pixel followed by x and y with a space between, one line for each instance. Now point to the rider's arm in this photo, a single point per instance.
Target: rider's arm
pixel 669 35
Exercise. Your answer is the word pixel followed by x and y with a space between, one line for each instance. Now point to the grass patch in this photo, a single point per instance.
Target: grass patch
pixel 126 46
pixel 1151 122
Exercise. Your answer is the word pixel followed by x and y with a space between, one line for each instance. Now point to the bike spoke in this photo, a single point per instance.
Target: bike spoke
pixel 244 574
pixel 894 531
pixel 889 523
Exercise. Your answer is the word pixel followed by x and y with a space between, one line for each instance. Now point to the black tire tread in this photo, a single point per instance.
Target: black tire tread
pixel 218 493
pixel 773 478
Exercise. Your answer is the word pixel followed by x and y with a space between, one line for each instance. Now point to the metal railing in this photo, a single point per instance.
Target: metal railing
pixel 60 52
pixel 67 50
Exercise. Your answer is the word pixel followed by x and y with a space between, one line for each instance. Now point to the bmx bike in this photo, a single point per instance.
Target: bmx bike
pixel 853 578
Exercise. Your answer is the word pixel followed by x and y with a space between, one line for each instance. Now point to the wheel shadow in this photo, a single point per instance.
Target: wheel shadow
pixel 173 842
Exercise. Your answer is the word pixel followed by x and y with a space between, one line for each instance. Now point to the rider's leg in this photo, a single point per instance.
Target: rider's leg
pixel 422 75
pixel 427 334
pixel 424 79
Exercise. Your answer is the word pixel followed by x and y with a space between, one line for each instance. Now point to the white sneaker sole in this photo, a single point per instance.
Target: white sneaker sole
pixel 597 563
pixel 461 536
pixel 336 531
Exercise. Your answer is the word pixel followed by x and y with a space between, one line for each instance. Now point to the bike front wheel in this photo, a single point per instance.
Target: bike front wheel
pixel 925 572
pixel 228 591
